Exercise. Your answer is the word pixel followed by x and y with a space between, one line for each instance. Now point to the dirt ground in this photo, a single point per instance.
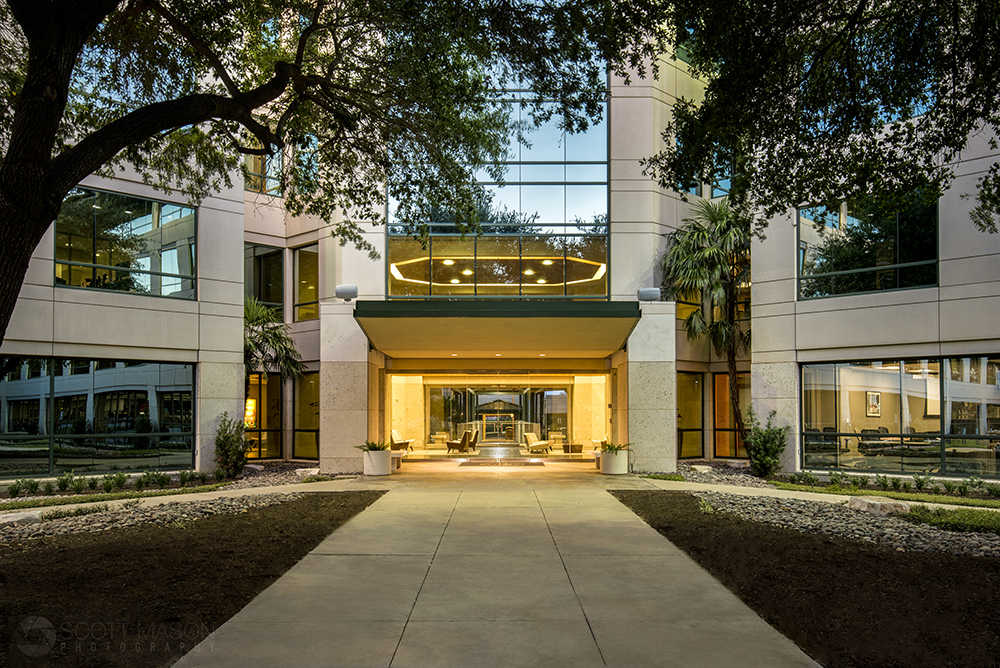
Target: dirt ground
pixel 144 596
pixel 846 603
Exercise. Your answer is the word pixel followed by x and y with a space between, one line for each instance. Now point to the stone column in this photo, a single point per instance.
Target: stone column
pixel 343 388
pixel 774 386
pixel 219 390
pixel 652 389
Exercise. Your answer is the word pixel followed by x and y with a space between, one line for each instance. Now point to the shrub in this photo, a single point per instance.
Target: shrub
pixel 764 445
pixel 119 480
pixel 807 478
pixel 92 482
pixel 63 481
pixel 140 483
pixel 976 482
pixel 838 479
pixel 965 519
pixel 949 486
pixel 316 478
pixel 32 485
pixel 920 481
pixel 906 485
pixel 78 485
pixel 230 447
pixel 183 478
pixel 14 489
pixel 963 488
pixel 896 483
pixel 47 489
pixel 202 477
pixel 860 481
pixel 108 483
pixel 993 490
pixel 218 475
pixel 882 481
pixel 935 489
pixel 162 480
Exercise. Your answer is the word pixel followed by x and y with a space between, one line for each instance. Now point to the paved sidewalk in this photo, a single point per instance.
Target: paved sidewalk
pixel 499 569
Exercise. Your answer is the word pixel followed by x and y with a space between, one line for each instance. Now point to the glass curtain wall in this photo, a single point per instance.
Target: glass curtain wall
pixel 690 431
pixel 106 241
pixel 306 422
pixel 923 416
pixel 264 275
pixel 262 416
pixel 728 443
pixel 307 283
pixel 544 234
pixel 116 415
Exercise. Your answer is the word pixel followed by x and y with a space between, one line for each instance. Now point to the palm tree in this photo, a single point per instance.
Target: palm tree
pixel 708 261
pixel 267 347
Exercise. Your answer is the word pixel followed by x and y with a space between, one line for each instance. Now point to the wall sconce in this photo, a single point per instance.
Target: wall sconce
pixel 346 292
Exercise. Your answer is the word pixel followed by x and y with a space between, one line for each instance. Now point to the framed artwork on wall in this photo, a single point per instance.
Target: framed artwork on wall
pixel 873 405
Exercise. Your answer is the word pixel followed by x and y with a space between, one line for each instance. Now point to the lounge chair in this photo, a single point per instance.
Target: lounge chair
pixel 461 445
pixel 397 442
pixel 475 439
pixel 533 444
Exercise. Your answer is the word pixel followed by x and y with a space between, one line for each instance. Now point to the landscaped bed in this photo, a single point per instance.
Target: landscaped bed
pixel 145 595
pixel 845 602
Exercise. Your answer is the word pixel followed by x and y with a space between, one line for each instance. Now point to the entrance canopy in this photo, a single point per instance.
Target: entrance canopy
pixel 484 329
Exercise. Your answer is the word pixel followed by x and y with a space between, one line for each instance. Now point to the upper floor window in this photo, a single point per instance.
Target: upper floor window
pixel 867 246
pixel 122 243
pixel 264 275
pixel 263 173
pixel 307 283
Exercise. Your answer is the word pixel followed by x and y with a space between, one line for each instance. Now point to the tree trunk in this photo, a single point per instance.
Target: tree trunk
pixel 18 239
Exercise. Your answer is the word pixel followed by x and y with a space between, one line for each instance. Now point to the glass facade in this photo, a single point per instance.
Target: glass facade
pixel 106 241
pixel 264 173
pixel 262 416
pixel 307 283
pixel 115 415
pixel 544 234
pixel 922 416
pixel 728 443
pixel 690 429
pixel 306 423
pixel 867 247
pixel 264 275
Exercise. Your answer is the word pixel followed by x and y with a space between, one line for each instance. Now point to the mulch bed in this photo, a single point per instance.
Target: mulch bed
pixel 144 596
pixel 846 603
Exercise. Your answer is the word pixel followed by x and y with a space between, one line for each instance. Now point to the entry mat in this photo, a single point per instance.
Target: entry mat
pixel 501 462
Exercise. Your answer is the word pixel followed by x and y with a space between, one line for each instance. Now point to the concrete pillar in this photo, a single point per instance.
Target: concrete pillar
pixel 219 390
pixel 774 386
pixel 343 388
pixel 652 389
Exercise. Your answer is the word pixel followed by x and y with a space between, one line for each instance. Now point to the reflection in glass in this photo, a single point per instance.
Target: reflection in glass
pixel 727 440
pixel 126 244
pixel 262 415
pixel 307 283
pixel 52 420
pixel 306 424
pixel 689 415
pixel 264 275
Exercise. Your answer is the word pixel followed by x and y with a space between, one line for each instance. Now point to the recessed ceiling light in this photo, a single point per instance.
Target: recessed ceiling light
pixel 467 272
pixel 541 354
pixel 449 262
pixel 529 272
pixel 540 280
pixel 547 263
pixel 454 280
pixel 498 355
pixel 454 354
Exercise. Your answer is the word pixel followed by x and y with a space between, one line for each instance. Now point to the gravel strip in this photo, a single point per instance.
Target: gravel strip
pixel 121 518
pixel 838 520
pixel 722 475
pixel 274 474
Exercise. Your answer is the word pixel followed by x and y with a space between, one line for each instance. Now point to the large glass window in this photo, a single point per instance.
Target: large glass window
pixel 689 415
pixel 306 427
pixel 544 233
pixel 130 417
pixel 264 173
pixel 307 283
pixel 727 439
pixel 262 416
pixel 264 275
pixel 903 415
pixel 117 242
pixel 867 246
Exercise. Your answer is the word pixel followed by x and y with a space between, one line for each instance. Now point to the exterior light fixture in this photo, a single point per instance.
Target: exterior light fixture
pixel 648 294
pixel 449 262
pixel 346 292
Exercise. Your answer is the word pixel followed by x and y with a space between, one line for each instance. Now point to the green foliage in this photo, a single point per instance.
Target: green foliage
pixel 839 479
pixel 896 483
pixel 140 483
pixel 993 490
pixel 705 506
pixel 92 483
pixel 316 478
pixel 964 519
pixel 920 481
pixel 183 478
pixel 63 481
pixel 78 485
pixel 614 447
pixel 202 477
pixel 87 498
pixel 765 444
pixel 906 485
pixel 903 496
pixel 860 481
pixel 230 447
pixel 14 489
pixel 935 489
pixel 707 262
pixel 949 486
pixel 370 446
pixel 218 474
pixel 882 481
pixel 162 480
pixel 975 482
pixel 676 477
pixel 47 489
pixel 75 512
pixel 32 485
pixel 829 101
pixel 267 347
pixel 119 480
pixel 804 478
pixel 108 483
pixel 963 488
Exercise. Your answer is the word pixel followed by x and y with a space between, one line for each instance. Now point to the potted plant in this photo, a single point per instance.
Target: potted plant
pixel 377 457
pixel 614 458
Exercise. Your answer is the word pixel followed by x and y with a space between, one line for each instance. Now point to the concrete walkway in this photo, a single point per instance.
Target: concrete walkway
pixel 495 567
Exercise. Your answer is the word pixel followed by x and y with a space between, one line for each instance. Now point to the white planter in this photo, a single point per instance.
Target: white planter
pixel 378 462
pixel 614 463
